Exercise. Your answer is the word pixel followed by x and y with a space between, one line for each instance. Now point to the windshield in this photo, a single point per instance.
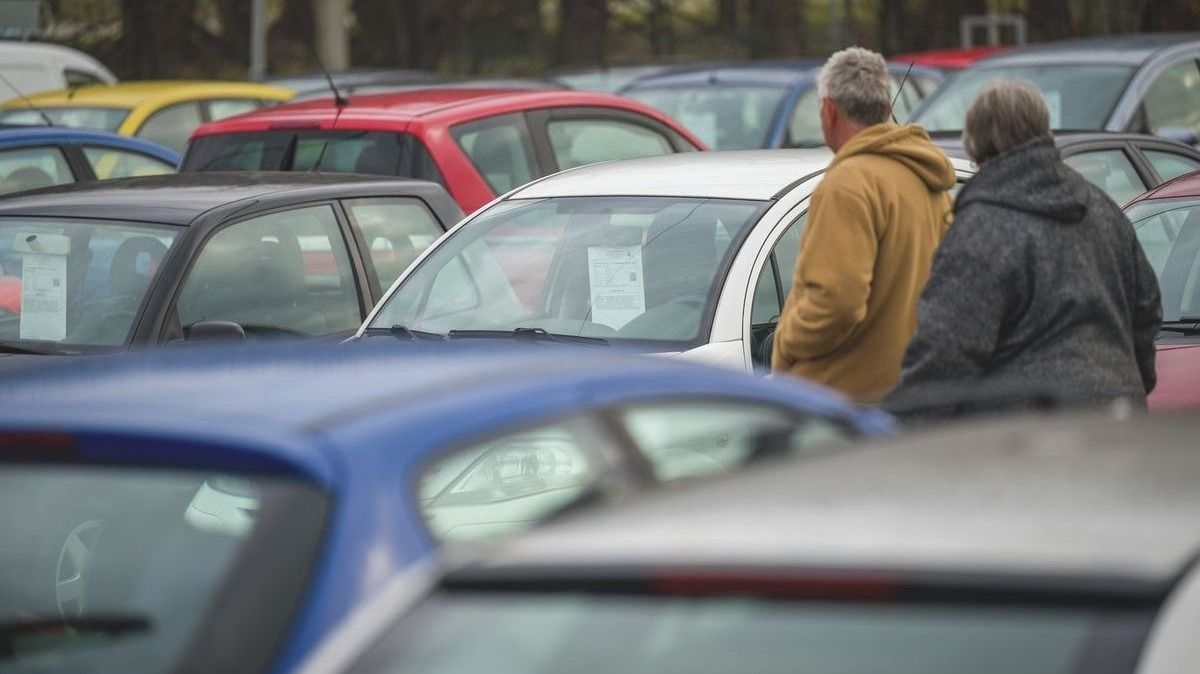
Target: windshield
pixel 138 561
pixel 70 284
pixel 555 633
pixel 370 152
pixel 725 116
pixel 1169 231
pixel 1079 97
pixel 635 268
pixel 103 119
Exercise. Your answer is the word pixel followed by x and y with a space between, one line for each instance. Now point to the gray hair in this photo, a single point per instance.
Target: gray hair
pixel 1005 114
pixel 858 83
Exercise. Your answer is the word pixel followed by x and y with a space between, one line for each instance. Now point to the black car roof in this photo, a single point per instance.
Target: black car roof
pixel 951 141
pixel 1082 497
pixel 178 199
pixel 1123 50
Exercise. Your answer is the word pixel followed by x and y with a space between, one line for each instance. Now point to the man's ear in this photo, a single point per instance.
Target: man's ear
pixel 829 111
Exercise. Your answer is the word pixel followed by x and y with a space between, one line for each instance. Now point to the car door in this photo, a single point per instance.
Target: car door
pixel 565 138
pixel 287 273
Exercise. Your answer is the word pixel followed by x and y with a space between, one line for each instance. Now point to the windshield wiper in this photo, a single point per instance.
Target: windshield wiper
pixel 526 334
pixel 1188 325
pixel 405 332
pixel 9 347
pixel 47 630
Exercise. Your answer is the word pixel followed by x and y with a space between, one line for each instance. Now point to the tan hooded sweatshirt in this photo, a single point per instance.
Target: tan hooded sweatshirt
pixel 874 225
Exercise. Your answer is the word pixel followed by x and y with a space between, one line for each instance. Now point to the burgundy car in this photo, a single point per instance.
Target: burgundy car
pixel 1167 220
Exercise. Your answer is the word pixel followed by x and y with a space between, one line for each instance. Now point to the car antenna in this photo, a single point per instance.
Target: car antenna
pixel 339 101
pixel 900 90
pixel 25 99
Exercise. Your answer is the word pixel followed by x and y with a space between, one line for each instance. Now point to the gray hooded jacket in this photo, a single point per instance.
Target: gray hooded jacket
pixel 1040 285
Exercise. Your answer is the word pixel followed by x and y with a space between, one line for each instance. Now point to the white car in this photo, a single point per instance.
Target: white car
pixel 30 67
pixel 689 254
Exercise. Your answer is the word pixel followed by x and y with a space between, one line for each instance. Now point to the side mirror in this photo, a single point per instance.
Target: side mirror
pixel 1179 134
pixel 216 331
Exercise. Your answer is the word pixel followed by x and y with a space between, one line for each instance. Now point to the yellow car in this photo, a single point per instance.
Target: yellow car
pixel 163 111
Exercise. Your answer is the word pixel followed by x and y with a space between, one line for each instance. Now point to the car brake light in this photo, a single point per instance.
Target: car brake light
pixel 797 585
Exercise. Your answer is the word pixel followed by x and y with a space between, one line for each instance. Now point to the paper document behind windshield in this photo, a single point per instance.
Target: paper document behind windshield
pixel 618 288
pixel 43 286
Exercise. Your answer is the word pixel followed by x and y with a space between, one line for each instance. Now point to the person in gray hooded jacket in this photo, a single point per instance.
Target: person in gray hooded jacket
pixel 1040 287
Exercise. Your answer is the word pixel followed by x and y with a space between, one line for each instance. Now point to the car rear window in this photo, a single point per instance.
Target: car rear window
pixel 540 633
pixel 123 569
pixel 370 152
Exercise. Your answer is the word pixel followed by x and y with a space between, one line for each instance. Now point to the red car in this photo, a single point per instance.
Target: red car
pixel 1167 221
pixel 946 59
pixel 478 143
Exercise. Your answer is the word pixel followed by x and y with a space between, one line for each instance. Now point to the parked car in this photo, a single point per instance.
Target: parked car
pixel 32 157
pixel 689 253
pixel 1167 221
pixel 948 61
pixel 742 106
pixel 1037 545
pixel 31 67
pixel 607 80
pixel 1124 165
pixel 225 509
pixel 110 266
pixel 162 111
pixel 1147 83
pixel 478 142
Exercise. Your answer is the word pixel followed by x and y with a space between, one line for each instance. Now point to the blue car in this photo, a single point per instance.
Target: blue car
pixel 744 106
pixel 227 508
pixel 40 156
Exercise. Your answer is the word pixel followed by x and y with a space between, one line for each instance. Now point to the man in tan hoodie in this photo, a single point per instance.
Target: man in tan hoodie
pixel 874 225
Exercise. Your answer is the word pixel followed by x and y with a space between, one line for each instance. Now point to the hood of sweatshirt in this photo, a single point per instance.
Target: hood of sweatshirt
pixel 910 146
pixel 1031 178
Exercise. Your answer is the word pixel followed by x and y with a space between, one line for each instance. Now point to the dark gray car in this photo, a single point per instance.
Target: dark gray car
pixel 1039 545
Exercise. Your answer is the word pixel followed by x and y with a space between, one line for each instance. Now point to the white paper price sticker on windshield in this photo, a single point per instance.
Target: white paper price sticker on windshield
pixel 43 286
pixel 617 285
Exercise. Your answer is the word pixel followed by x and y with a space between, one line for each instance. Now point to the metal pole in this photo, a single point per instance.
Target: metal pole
pixel 258 40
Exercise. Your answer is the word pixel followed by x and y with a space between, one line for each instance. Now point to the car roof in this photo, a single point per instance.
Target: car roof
pixel 1064 496
pixel 743 174
pixel 131 94
pixel 1182 187
pixel 63 134
pixel 447 102
pixel 951 141
pixel 745 73
pixel 1130 50
pixel 278 395
pixel 178 199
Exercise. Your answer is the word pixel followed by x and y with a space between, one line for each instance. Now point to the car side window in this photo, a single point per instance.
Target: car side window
pixel 29 168
pixel 282 274
pixel 1170 165
pixel 578 142
pixel 1111 171
pixel 1174 98
pixel 396 230
pixel 512 481
pixel 500 149
pixel 111 162
pixel 693 438
pixel 769 299
pixel 228 107
pixel 804 128
pixel 906 99
pixel 79 78
pixel 172 125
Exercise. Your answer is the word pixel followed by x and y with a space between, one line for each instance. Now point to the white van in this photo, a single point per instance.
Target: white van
pixel 36 66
